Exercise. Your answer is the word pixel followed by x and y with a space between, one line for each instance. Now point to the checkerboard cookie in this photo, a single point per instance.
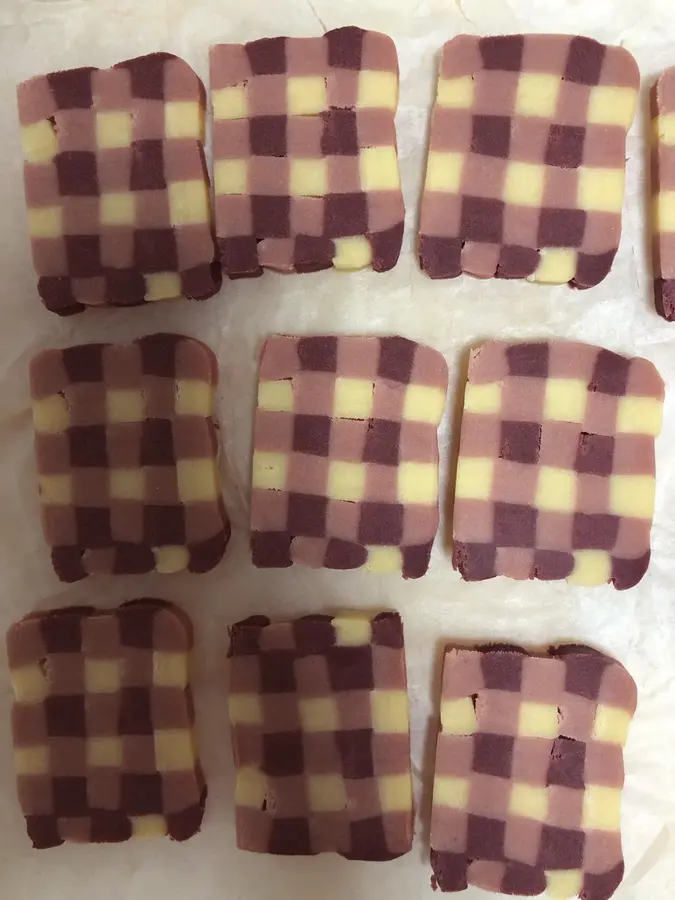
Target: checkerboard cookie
pixel 320 730
pixel 103 723
pixel 304 147
pixel 126 450
pixel 116 184
pixel 529 772
pixel 345 462
pixel 663 190
pixel 526 168
pixel 556 477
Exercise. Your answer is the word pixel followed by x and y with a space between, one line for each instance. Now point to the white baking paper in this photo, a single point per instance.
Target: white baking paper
pixel 638 627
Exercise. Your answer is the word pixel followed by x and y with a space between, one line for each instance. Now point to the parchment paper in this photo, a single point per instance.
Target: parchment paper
pixel 638 626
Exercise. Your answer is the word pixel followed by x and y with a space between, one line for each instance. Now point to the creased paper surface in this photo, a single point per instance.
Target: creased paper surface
pixel 638 627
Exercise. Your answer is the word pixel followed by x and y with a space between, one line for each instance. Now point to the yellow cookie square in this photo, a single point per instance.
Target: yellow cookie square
pixel 611 724
pixel 475 477
pixel 189 202
pixel 31 760
pixel 276 396
pixel 353 398
pixel 319 714
pixel 102 676
pixel 352 630
pixel 162 286
pixel 309 177
pixel 565 884
pixel 56 490
pixel 29 684
pixel 230 176
pixel 183 119
pixel 251 788
pixel 566 400
pixel 537 94
pixel 118 209
pixel 307 95
pixel 664 211
pixel 174 750
pixel 269 470
pixel 556 489
pixel 245 709
pixel 524 184
pixel 459 716
pixel 483 399
pixel 377 90
pixel 601 190
pixel 379 169
pixel 114 130
pixel 346 481
pixel 451 792
pixel 395 792
pixel 664 129
pixel 612 105
pixel 230 103
pixel 557 265
pixel 124 406
pixel 51 415
pixel 39 142
pixel 194 397
pixel 105 752
pixel 45 222
pixel 418 483
pixel 327 793
pixel 169 669
pixel 352 253
pixel 171 559
pixel 390 711
pixel 126 484
pixel 455 93
pixel 444 172
pixel 423 404
pixel 197 480
pixel 384 560
pixel 591 568
pixel 529 802
pixel 602 808
pixel 538 720
pixel 640 415
pixel 632 495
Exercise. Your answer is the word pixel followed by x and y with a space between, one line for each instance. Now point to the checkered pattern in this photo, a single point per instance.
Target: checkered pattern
pixel 555 477
pixel 345 463
pixel 529 772
pixel 116 184
pixel 103 724
pixel 663 190
pixel 126 453
pixel 304 148
pixel 319 713
pixel 526 168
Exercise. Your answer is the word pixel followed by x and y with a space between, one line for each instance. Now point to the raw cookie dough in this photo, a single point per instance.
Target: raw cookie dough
pixel 116 184
pixel 126 452
pixel 663 189
pixel 555 477
pixel 103 724
pixel 526 168
pixel 529 772
pixel 304 146
pixel 320 730
pixel 345 462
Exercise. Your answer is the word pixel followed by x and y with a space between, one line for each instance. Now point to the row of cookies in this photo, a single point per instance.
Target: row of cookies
pixel 529 759
pixel 555 476
pixel 525 172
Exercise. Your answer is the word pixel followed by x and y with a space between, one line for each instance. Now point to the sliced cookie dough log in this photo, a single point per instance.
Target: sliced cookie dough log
pixel 529 772
pixel 304 145
pixel 663 191
pixel 127 457
pixel 321 736
pixel 345 462
pixel 556 470
pixel 526 168
pixel 116 184
pixel 103 724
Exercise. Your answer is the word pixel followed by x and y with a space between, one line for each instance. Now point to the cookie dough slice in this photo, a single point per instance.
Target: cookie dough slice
pixel 556 469
pixel 116 184
pixel 126 450
pixel 103 724
pixel 526 168
pixel 529 772
pixel 663 190
pixel 345 462
pixel 320 732
pixel 304 147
